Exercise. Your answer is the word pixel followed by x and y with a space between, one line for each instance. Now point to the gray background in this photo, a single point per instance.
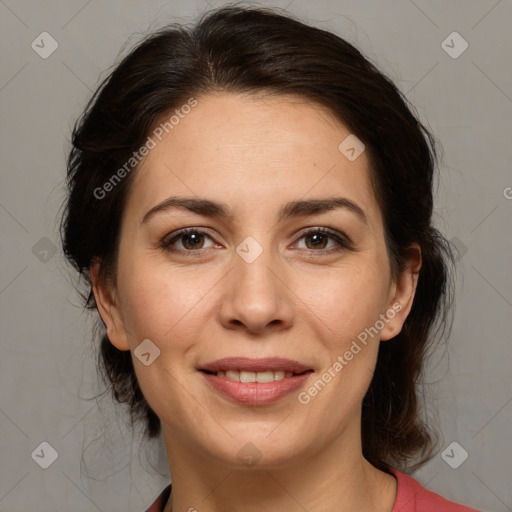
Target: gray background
pixel 47 372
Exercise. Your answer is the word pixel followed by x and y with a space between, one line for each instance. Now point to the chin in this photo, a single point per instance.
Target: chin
pixel 262 448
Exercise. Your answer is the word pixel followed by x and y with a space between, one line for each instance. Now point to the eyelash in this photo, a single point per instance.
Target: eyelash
pixel 342 240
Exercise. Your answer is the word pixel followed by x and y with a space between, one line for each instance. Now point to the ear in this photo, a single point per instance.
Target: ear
pixel 108 308
pixel 401 294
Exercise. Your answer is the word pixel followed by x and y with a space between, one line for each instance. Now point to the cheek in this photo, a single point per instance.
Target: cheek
pixel 161 304
pixel 345 307
pixel 163 307
pixel 344 302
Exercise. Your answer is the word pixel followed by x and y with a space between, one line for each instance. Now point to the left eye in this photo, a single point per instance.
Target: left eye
pixel 193 240
pixel 319 238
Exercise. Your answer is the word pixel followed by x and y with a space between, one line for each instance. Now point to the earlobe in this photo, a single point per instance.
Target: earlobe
pixel 402 295
pixel 108 308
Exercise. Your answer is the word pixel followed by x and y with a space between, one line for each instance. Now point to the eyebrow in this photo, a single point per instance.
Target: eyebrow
pixel 300 208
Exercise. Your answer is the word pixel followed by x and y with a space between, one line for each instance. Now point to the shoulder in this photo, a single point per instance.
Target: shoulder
pixel 413 497
pixel 159 504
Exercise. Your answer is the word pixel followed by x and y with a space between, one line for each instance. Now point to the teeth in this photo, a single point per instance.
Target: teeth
pixel 243 376
pixel 233 375
pixel 247 377
pixel 265 376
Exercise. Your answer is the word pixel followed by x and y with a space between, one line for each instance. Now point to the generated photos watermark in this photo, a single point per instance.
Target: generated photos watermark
pixel 304 397
pixel 137 156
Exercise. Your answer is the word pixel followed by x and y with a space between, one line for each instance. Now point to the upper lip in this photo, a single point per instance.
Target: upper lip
pixel 248 364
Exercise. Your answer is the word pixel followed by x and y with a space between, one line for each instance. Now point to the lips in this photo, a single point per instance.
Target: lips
pixel 268 364
pixel 255 381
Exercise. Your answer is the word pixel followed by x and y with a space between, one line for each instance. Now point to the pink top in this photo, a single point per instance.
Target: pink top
pixel 411 497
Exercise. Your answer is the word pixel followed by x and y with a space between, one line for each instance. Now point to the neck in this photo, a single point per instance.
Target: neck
pixel 337 479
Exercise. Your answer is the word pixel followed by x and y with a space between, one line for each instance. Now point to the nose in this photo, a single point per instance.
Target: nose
pixel 257 297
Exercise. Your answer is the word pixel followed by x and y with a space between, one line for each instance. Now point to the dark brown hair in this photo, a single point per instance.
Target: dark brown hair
pixel 254 50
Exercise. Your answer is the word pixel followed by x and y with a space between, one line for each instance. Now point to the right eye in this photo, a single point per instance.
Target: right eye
pixel 191 239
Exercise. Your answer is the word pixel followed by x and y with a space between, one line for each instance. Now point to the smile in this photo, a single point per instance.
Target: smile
pixel 244 376
pixel 255 381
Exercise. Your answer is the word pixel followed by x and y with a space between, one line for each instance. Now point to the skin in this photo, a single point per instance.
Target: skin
pixel 295 301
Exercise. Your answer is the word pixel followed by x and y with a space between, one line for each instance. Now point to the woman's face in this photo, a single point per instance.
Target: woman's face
pixel 257 283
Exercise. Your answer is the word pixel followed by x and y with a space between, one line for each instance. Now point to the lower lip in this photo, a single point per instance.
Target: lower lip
pixel 256 393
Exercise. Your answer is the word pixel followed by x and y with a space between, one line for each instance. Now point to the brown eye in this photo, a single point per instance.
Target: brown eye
pixel 191 240
pixel 317 240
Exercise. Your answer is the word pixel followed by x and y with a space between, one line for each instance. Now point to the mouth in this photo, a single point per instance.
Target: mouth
pixel 261 377
pixel 255 381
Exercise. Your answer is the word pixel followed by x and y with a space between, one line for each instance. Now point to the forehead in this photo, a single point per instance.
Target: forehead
pixel 252 150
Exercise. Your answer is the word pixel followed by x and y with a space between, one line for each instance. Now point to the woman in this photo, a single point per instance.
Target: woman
pixel 250 203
